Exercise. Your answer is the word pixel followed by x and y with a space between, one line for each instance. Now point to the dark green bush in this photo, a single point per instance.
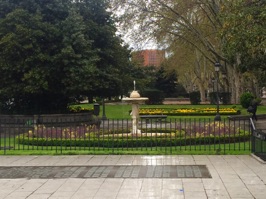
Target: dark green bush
pixel 194 97
pixel 225 97
pixel 131 142
pixel 155 96
pixel 245 99
pixel 213 97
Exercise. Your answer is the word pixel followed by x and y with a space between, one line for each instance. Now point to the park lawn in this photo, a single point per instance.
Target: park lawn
pixel 242 148
pixel 121 110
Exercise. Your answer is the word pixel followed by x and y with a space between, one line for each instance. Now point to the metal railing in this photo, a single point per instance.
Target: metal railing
pixel 258 141
pixel 171 136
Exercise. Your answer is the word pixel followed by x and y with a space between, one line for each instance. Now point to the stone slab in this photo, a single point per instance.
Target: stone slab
pixel 110 171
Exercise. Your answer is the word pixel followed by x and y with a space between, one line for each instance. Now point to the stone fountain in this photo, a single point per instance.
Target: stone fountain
pixel 135 100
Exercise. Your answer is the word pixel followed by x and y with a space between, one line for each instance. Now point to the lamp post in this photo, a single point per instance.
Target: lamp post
pixel 217 66
pixel 224 79
pixel 103 116
pixel 213 80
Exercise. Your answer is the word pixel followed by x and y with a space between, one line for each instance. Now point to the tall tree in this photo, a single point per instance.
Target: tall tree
pixel 194 24
pixel 101 29
pixel 190 24
pixel 166 81
pixel 244 38
pixel 44 55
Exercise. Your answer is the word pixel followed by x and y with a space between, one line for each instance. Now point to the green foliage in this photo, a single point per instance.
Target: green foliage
pixel 155 96
pixel 166 82
pixel 224 97
pixel 194 97
pixel 113 63
pixel 243 33
pixel 245 99
pixel 79 109
pixel 213 97
pixel 132 142
pixel 54 51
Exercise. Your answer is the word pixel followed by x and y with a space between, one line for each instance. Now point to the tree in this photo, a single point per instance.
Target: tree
pixel 52 51
pixel 190 26
pixel 166 81
pixel 244 38
pixel 113 57
pixel 243 33
pixel 232 32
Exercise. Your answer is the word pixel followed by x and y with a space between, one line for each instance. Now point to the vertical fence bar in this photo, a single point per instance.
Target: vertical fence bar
pixel 5 141
pixel 155 136
pixel 127 133
pixel 122 133
pixel 1 133
pixel 225 140
pixel 219 133
pixel 175 138
pixel 113 136
pixel 229 133
pixel 197 130
pixel 171 139
pixel 139 144
pixel 185 128
pixel 235 133
pixel 204 128
pixel 190 133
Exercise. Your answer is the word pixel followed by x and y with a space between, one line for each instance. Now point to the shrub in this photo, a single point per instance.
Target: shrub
pixel 79 109
pixel 245 99
pixel 226 97
pixel 223 96
pixel 258 100
pixel 155 96
pixel 89 136
pixel 194 97
pixel 213 97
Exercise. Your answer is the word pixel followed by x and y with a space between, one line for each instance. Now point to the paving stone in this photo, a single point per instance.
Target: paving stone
pixel 136 171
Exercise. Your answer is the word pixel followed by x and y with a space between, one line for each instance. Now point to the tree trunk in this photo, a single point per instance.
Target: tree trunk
pixel 202 92
pixel 235 84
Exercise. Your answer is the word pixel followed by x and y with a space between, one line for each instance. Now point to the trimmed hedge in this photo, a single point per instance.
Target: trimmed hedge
pixel 131 142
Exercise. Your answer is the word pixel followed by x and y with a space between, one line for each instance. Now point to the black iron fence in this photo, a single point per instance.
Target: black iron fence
pixel 61 135
pixel 258 141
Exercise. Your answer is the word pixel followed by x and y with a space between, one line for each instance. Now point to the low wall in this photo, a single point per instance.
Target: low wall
pixel 20 123
pixel 176 101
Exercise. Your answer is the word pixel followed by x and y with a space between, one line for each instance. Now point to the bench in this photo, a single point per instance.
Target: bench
pixel 150 117
pixel 245 117
pixel 238 117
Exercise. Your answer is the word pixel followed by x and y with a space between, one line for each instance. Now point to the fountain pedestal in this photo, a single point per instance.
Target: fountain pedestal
pixel 135 100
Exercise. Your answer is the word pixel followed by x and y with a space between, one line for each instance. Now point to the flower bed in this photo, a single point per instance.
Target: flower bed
pixel 90 136
pixel 79 109
pixel 188 111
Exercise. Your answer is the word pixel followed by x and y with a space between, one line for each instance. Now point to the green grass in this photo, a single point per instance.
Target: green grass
pixel 212 149
pixel 121 111
pixel 242 148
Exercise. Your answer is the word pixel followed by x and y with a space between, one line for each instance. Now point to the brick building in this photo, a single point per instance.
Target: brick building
pixel 149 57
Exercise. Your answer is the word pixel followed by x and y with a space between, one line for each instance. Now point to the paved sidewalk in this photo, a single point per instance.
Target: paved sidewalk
pixel 231 177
